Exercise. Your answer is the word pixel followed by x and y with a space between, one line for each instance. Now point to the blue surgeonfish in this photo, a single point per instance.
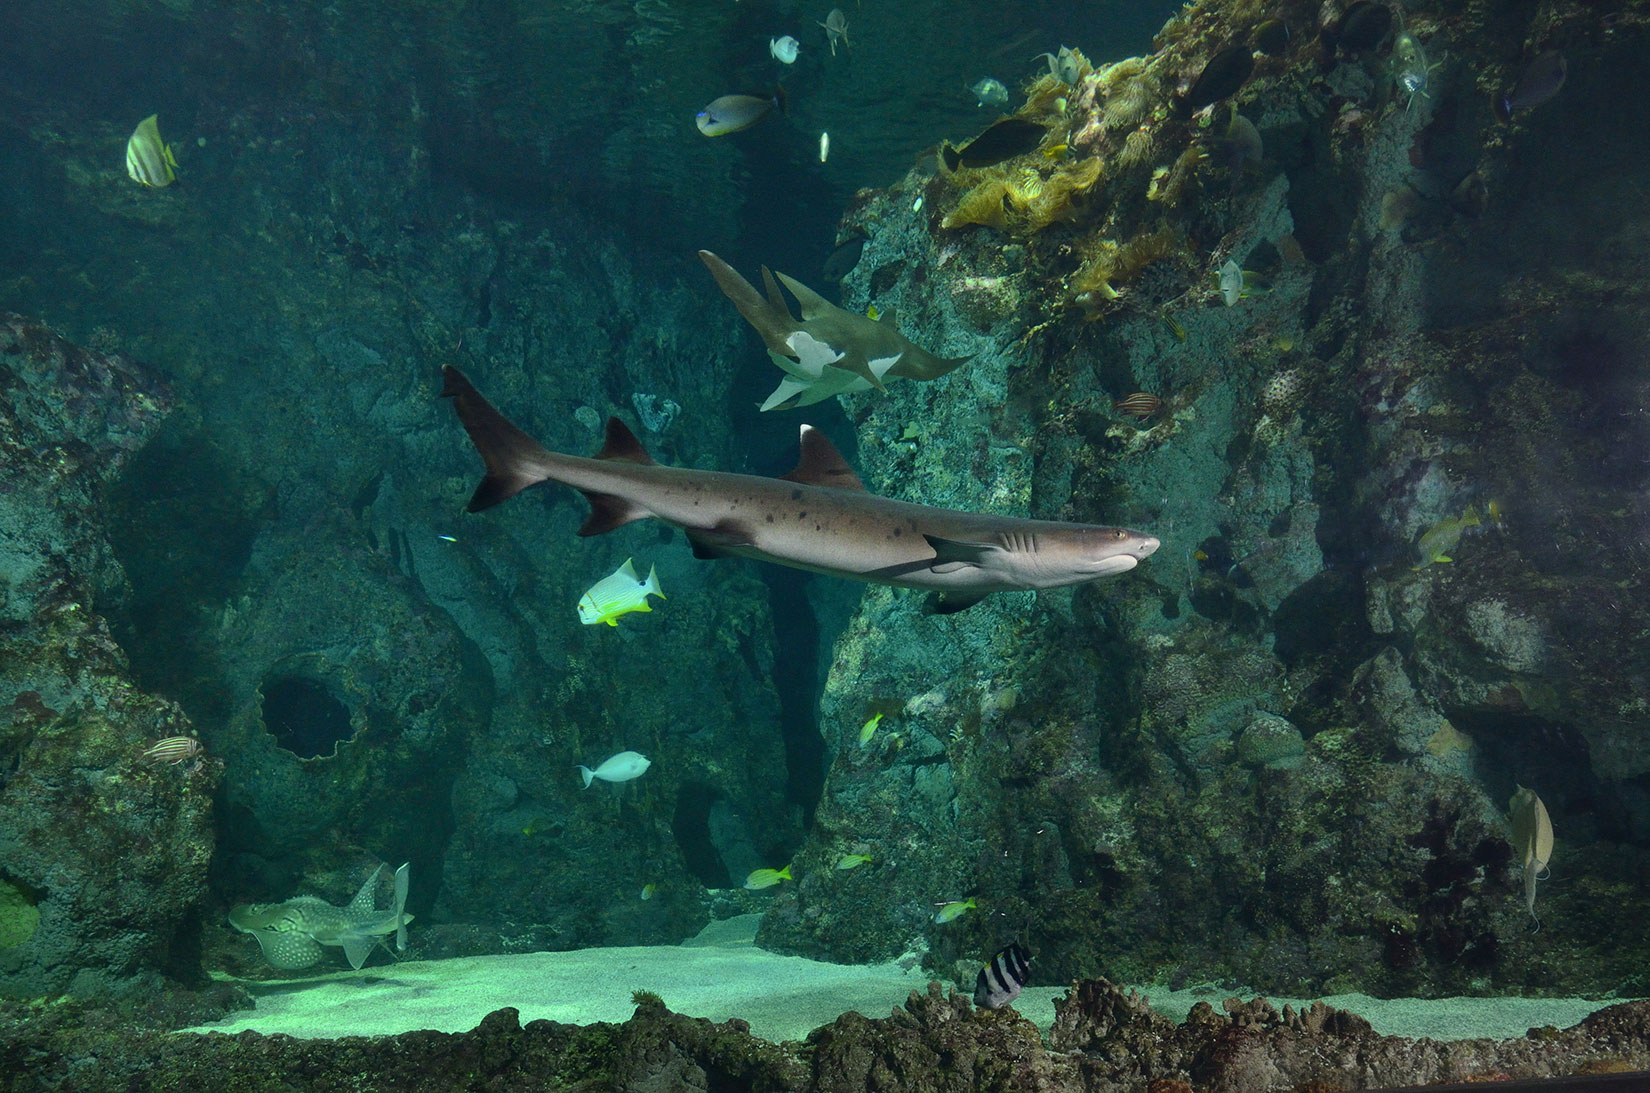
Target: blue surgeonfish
pixel 622 767
pixel 619 593
pixel 148 158
pixel 999 982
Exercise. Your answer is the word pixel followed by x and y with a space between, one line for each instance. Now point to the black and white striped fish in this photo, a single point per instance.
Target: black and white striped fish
pixel 999 982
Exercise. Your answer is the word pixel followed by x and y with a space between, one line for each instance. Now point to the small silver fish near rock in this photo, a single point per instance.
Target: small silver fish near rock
pixel 623 767
pixel 990 92
pixel 1541 79
pixel 784 49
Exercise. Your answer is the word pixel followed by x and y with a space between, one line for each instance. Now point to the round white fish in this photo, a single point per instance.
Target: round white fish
pixel 617 768
pixel 990 92
pixel 784 49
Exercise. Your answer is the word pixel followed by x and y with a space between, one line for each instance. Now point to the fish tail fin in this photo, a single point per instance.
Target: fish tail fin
pixel 588 774
pixel 785 873
pixel 950 157
pixel 514 460
pixel 400 907
pixel 653 583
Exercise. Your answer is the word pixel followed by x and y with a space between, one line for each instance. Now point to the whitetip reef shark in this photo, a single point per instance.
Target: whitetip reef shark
pixel 831 351
pixel 819 517
pixel 291 933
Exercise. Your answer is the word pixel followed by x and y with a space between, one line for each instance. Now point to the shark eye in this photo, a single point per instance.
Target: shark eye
pixel 1117 533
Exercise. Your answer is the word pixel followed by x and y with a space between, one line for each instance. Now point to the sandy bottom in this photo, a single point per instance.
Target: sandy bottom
pixel 722 974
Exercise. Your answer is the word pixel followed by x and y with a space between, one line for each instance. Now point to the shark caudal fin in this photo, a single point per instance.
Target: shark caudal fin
pixel 514 460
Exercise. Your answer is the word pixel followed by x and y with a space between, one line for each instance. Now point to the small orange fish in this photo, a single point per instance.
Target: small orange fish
pixel 1140 404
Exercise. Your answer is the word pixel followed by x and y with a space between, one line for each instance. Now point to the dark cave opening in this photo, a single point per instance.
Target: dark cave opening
pixel 304 717
pixel 691 826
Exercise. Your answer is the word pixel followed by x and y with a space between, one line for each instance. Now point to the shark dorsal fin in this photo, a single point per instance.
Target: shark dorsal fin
pixel 364 900
pixel 812 303
pixel 820 464
pixel 621 444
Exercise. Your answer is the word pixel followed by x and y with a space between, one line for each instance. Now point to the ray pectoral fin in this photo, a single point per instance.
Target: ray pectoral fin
pixel 357 949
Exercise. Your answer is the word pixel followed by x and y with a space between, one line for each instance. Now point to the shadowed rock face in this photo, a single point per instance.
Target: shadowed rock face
pixel 102 855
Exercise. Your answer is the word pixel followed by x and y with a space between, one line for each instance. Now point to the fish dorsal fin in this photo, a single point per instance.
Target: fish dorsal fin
pixel 621 444
pixel 812 303
pixel 820 464
pixel 363 900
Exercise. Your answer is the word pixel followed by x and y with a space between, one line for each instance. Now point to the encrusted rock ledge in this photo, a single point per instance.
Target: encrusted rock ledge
pixel 1103 1040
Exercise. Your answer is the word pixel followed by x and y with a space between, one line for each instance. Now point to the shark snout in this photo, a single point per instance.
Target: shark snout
pixel 1147 546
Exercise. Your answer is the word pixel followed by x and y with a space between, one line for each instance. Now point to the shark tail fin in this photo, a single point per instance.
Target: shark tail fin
pixel 514 460
pixel 588 775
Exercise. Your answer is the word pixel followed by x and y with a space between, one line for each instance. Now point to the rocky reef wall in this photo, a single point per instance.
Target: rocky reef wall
pixel 1281 751
pixel 104 844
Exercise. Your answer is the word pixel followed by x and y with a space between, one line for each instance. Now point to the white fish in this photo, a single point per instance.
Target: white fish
pixel 618 768
pixel 990 92
pixel 824 146
pixel 784 49
pixel 618 593
pixel 1231 282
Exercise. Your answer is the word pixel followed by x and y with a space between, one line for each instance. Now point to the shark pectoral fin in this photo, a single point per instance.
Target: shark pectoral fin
pixel 820 464
pixel 949 603
pixel 881 365
pixel 358 948
pixel 609 511
pixel 719 541
pixel 951 555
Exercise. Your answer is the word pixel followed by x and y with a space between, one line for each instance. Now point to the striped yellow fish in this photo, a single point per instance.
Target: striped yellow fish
pixel 148 158
pixel 618 593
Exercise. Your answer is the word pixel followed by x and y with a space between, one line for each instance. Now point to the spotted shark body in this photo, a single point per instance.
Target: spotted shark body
pixel 292 933
pixel 819 517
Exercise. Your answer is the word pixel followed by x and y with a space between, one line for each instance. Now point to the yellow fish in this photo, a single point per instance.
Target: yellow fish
pixel 148 158
pixel 954 910
pixel 1437 541
pixel 852 861
pixel 766 878
pixel 869 729
pixel 648 890
pixel 619 593
pixel 872 312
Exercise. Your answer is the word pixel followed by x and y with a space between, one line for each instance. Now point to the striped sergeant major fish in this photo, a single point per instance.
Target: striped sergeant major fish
pixel 999 982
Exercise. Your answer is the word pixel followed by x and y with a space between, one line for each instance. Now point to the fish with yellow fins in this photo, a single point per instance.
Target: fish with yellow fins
pixel 766 878
pixel 619 593
pixel 1437 541
pixel 148 158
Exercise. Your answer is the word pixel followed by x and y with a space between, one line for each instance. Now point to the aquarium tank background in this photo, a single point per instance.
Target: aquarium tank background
pixel 1335 313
